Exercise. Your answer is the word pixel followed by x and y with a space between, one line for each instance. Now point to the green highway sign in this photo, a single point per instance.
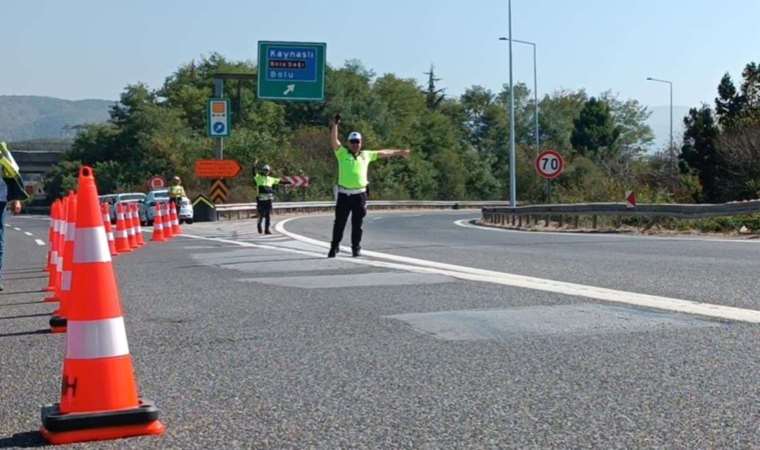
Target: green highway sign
pixel 291 71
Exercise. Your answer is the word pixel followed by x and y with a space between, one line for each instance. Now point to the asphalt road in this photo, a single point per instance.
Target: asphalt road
pixel 260 342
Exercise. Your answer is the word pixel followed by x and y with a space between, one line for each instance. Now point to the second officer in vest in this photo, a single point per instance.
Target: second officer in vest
pixel 265 184
pixel 353 163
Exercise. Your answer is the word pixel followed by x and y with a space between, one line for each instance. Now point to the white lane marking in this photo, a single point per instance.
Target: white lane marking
pixel 559 287
pixel 40 242
pixel 17 228
pixel 465 223
pixel 28 233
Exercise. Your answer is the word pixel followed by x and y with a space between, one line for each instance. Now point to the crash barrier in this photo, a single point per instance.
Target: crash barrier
pixel 571 214
pixel 99 395
pixel 239 211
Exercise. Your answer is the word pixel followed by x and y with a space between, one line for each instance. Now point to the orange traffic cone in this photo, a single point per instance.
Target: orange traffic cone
pixel 99 398
pixel 158 226
pixel 58 320
pixel 138 227
pixel 129 220
pixel 109 232
pixel 175 219
pixel 55 212
pixel 121 239
pixel 166 220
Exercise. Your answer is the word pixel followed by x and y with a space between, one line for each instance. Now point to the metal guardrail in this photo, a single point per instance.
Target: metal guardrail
pixel 515 216
pixel 239 211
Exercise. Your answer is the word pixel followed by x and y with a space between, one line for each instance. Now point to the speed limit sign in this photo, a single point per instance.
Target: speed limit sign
pixel 550 164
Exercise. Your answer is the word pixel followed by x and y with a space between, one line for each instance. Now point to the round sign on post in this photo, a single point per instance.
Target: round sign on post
pixel 156 183
pixel 549 164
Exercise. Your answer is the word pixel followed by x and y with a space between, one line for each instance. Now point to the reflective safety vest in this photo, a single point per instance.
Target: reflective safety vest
pixel 176 191
pixel 264 183
pixel 7 163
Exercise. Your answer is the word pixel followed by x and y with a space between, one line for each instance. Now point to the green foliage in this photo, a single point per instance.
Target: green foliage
pixel 594 131
pixel 459 145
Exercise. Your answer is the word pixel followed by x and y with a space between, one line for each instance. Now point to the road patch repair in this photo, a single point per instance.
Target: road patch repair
pixel 544 320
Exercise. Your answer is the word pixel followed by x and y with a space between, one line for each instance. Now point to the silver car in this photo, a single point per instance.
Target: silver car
pixel 185 213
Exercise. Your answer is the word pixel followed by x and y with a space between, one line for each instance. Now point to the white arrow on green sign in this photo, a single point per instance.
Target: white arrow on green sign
pixel 291 71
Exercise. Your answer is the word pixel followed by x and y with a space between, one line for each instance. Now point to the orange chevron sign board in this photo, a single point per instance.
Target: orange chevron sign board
pixel 219 191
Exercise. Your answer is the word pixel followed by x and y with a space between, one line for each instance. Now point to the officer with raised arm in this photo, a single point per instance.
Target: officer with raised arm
pixel 353 163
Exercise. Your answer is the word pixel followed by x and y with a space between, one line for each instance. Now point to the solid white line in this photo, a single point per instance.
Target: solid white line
pixel 28 233
pixel 559 287
pixel 40 242
pixel 465 223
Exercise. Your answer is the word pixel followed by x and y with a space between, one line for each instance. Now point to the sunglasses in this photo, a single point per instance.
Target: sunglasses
pixel 355 141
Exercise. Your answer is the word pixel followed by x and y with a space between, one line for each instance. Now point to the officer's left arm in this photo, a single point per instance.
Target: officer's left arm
pixel 393 153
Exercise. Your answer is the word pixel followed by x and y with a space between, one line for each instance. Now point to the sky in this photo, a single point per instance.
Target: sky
pixel 79 49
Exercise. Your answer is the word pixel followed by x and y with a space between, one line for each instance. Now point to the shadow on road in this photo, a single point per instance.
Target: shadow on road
pixel 22 303
pixel 23 440
pixel 24 333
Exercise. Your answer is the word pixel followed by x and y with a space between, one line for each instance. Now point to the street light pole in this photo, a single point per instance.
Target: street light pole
pixel 671 150
pixel 512 172
pixel 535 89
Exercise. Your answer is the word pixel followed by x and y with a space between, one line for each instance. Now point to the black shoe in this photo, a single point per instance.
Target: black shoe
pixel 267 232
pixel 259 228
pixel 1 286
pixel 356 251
pixel 334 250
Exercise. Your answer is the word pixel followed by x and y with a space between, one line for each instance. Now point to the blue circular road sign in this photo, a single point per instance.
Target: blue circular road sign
pixel 219 127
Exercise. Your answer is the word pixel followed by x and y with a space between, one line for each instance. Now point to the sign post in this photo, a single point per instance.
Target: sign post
pixel 291 71
pixel 549 164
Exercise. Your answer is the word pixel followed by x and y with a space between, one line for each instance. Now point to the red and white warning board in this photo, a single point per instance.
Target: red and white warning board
pixel 549 164
pixel 297 180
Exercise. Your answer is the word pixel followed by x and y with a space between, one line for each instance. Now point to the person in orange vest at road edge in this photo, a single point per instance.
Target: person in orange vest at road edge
pixel 353 163
pixel 11 193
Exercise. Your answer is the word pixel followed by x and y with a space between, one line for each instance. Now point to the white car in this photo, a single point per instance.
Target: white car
pixel 185 213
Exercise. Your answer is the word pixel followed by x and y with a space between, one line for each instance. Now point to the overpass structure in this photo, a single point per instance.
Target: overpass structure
pixel 36 159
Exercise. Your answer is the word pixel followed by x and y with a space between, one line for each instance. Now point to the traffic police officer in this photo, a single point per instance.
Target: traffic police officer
pixel 265 195
pixel 353 163
pixel 11 193
pixel 176 192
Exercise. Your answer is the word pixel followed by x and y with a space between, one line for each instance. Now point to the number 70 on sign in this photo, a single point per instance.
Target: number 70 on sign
pixel 549 164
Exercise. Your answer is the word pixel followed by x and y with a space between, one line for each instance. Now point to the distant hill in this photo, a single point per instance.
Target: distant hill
pixel 29 117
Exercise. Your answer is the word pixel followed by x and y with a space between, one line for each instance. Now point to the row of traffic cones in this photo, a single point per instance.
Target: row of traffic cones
pixel 99 395
pixel 127 237
pixel 165 222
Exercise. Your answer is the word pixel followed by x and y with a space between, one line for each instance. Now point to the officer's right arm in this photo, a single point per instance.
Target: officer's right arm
pixel 334 141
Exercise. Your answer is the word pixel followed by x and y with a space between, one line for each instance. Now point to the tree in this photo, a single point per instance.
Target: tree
pixel 594 131
pixel 433 96
pixel 699 151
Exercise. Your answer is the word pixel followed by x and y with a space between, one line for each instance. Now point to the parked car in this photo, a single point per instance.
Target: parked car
pixel 185 213
pixel 127 197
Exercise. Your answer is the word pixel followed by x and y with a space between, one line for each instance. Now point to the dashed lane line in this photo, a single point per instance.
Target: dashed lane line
pixel 40 242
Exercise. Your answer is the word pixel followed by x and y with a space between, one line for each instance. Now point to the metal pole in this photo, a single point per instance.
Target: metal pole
pixel 512 173
pixel 219 93
pixel 671 149
pixel 535 99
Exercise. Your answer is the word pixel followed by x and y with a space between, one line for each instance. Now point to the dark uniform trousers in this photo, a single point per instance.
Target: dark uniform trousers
pixel 356 205
pixel 264 208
